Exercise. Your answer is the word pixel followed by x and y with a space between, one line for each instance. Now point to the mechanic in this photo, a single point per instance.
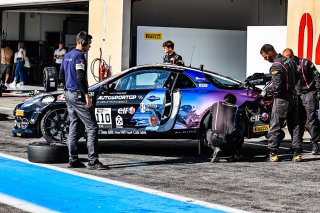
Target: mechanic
pixel 79 104
pixel 171 56
pixel 224 129
pixel 308 88
pixel 285 102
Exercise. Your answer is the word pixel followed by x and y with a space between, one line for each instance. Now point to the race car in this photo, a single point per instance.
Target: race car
pixel 149 101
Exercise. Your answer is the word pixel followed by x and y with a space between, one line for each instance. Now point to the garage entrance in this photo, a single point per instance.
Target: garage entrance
pixel 41 27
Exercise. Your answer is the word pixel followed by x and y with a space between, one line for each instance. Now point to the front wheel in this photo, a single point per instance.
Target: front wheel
pixel 55 125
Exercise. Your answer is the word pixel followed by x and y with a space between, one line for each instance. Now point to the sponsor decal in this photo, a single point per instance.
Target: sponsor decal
pixel 19 112
pixel 119 121
pixel 152 36
pixel 153 98
pixel 263 128
pixel 146 107
pixel 200 79
pixel 24 124
pixel 263 117
pixel 153 121
pixel 203 85
pixel 117 97
pixel 126 110
pixel 140 97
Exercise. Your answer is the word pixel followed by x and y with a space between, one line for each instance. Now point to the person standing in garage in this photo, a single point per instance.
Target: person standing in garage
pixel 308 88
pixel 58 56
pixel 285 102
pixel 79 104
pixel 170 55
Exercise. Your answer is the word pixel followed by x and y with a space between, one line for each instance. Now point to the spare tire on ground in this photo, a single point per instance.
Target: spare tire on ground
pixel 50 79
pixel 42 152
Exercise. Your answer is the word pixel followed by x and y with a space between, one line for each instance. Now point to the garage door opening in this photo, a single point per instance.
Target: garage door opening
pixel 41 28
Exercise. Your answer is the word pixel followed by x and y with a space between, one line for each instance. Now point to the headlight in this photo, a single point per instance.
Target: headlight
pixel 31 102
pixel 48 100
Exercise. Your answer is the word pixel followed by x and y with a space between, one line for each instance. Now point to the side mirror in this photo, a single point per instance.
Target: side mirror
pixel 111 87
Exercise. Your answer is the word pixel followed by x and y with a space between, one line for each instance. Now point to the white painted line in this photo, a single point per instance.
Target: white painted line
pixel 130 186
pixel 7 108
pixel 21 204
pixel 280 147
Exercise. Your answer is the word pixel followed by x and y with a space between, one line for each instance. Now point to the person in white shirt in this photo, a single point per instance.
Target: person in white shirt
pixel 20 57
pixel 58 56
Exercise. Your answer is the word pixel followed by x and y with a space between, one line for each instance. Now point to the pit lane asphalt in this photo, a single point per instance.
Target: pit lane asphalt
pixel 173 166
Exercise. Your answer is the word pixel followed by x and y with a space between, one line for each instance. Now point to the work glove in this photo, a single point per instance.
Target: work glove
pixel 264 93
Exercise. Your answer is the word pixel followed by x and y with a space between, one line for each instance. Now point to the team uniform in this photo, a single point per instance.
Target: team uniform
pixel 285 106
pixel 76 85
pixel 308 86
pixel 173 58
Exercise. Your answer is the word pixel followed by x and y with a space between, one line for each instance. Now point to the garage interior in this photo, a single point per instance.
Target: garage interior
pixel 206 14
pixel 41 28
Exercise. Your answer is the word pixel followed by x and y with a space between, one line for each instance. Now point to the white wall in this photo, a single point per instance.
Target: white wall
pixel 222 51
pixel 35 25
pixel 257 36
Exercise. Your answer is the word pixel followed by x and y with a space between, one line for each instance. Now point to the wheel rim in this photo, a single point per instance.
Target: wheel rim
pixel 56 124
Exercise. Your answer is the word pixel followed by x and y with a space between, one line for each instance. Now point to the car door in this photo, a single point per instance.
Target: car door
pixel 136 104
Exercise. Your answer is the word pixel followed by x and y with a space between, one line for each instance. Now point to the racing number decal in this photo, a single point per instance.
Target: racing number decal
pixel 103 116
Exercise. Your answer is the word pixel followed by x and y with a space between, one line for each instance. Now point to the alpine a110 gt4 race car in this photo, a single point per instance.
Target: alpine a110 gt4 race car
pixel 150 101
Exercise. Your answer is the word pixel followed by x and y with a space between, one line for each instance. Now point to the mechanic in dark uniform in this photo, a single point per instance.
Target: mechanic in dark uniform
pixel 224 132
pixel 308 88
pixel 171 56
pixel 285 102
pixel 79 104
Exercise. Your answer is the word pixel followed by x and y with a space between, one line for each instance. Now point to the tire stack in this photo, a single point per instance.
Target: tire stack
pixel 41 152
pixel 50 79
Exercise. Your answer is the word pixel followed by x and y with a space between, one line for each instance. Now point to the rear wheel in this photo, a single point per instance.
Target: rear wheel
pixel 55 125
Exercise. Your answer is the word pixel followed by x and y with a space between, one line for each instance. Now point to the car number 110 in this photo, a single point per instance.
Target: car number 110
pixel 103 115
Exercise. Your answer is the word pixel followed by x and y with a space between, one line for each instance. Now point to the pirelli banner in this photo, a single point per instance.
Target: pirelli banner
pixel 304 29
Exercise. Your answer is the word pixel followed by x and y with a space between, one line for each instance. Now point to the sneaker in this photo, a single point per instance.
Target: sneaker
pixel 297 158
pixel 216 155
pixel 76 164
pixel 97 165
pixel 20 84
pixel 273 157
pixel 13 84
pixel 315 149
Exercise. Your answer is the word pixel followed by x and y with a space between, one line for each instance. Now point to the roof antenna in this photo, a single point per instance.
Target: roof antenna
pixel 201 67
pixel 191 55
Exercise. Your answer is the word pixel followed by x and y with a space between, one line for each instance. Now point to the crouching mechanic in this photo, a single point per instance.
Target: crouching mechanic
pixel 308 88
pixel 225 129
pixel 79 104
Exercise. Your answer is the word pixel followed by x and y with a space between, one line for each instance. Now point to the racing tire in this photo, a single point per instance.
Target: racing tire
pixel 50 79
pixel 55 125
pixel 48 153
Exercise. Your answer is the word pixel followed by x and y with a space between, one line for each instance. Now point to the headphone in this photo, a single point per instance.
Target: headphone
pixel 85 41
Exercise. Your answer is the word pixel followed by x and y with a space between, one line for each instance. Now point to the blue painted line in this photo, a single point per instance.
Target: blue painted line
pixel 64 192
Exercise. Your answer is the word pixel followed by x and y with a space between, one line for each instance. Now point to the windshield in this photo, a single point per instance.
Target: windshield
pixel 99 84
pixel 223 82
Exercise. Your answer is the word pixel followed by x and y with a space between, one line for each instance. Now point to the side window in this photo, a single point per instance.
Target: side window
pixel 143 79
pixel 184 81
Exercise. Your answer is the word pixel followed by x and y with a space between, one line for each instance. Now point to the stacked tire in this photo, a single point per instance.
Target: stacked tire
pixel 50 79
pixel 41 152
